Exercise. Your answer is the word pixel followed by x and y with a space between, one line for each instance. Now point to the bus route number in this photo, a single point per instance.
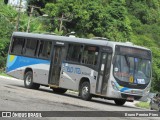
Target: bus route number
pixel 73 70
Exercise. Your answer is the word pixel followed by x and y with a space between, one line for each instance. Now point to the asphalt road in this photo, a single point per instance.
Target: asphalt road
pixel 14 97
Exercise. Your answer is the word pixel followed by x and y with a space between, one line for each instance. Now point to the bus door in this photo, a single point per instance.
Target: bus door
pixel 103 76
pixel 55 69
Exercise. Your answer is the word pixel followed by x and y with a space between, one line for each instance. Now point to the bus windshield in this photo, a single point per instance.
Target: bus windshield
pixel 132 69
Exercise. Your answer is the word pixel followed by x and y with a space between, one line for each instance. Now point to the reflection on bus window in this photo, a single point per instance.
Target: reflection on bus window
pixel 45 49
pixel 126 67
pixel 90 55
pixel 85 54
pixel 18 44
pixel 74 52
pixel 31 47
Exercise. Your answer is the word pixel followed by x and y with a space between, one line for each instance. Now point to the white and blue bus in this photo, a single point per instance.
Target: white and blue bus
pixel 95 68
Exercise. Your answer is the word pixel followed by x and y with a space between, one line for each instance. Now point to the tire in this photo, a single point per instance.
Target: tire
pixel 28 81
pixel 85 91
pixel 120 102
pixel 59 90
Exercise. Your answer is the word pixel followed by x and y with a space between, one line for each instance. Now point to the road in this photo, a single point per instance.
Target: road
pixel 14 97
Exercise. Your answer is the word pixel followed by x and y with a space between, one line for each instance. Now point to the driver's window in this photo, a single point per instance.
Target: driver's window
pixel 121 64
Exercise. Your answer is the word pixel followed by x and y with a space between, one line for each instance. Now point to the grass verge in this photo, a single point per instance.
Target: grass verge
pixel 143 105
pixel 2 73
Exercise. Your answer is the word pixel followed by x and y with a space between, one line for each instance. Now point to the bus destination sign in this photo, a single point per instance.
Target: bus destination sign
pixel 133 51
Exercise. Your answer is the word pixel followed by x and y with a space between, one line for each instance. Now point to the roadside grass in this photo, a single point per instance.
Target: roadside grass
pixel 143 105
pixel 2 73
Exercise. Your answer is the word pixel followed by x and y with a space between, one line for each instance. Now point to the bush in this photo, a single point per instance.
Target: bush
pixel 142 104
pixel 4 45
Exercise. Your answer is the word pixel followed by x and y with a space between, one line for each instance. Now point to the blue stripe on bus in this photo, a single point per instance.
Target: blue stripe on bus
pixel 14 62
pixel 121 88
pixel 124 89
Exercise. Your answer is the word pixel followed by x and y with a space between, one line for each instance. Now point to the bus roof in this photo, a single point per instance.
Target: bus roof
pixel 75 39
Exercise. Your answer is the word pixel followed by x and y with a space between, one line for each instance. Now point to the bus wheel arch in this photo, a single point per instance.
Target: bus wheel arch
pixel 27 70
pixel 28 79
pixel 84 89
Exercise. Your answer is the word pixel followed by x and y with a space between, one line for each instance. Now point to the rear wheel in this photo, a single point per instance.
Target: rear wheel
pixel 59 90
pixel 28 81
pixel 85 91
pixel 120 102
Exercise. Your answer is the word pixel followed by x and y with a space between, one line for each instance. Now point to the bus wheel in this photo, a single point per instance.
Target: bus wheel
pixel 59 90
pixel 120 102
pixel 85 91
pixel 28 81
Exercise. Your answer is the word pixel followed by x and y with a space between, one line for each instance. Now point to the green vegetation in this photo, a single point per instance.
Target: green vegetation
pixel 143 105
pixel 6 27
pixel 2 73
pixel 136 21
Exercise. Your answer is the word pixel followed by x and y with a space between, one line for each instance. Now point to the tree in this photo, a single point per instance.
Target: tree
pixel 147 11
pixel 92 17
pixel 145 23
pixel 7 23
pixel 39 3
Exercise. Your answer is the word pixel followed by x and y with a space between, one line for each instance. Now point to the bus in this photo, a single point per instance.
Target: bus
pixel 119 71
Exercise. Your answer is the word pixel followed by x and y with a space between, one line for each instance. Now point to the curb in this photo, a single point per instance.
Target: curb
pixel 132 104
pixel 9 78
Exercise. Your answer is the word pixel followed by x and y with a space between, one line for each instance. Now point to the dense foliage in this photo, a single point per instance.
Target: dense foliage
pixel 136 21
pixel 7 24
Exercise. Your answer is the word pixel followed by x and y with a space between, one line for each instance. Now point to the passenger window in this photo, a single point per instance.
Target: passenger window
pixel 45 49
pixel 90 55
pixel 17 46
pixel 74 52
pixel 31 46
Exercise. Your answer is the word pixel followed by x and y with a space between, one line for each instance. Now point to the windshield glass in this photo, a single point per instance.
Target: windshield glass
pixel 132 69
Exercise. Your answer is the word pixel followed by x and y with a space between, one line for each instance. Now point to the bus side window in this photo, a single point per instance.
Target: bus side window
pixel 45 49
pixel 17 46
pixel 31 47
pixel 90 55
pixel 74 52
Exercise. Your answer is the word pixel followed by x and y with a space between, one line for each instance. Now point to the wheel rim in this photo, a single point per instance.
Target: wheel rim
pixel 28 80
pixel 85 91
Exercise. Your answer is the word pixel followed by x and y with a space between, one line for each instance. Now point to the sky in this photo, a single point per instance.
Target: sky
pixel 17 2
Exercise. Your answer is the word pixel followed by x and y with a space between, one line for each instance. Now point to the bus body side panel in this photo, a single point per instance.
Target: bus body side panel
pixel 16 66
pixel 71 74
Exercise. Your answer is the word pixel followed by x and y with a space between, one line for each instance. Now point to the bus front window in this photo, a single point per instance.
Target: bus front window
pixel 132 69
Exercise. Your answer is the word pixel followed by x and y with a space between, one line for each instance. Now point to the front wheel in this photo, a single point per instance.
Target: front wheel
pixel 85 91
pixel 120 102
pixel 28 81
